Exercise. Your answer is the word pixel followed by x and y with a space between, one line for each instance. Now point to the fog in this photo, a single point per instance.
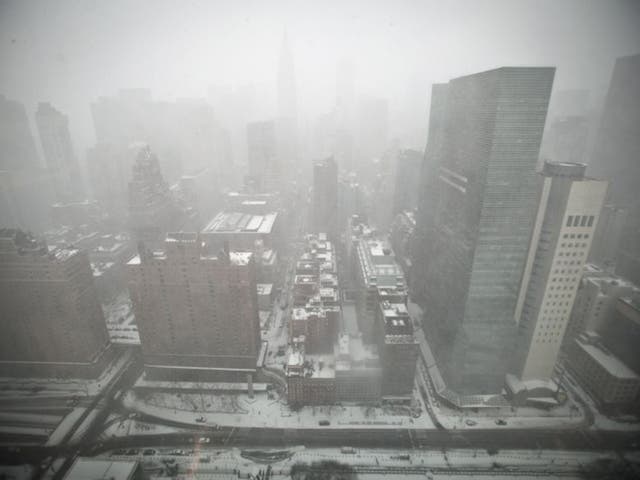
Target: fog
pixel 69 53
pixel 306 239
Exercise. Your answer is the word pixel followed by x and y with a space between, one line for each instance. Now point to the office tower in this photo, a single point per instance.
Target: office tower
pixel 53 128
pixel 17 147
pixel 197 313
pixel 408 166
pixel 109 171
pixel 153 210
pixel 262 149
pixel 616 158
pixel 325 198
pixel 416 275
pixel 52 322
pixel 567 216
pixel 476 218
pixel 287 121
pixel 372 125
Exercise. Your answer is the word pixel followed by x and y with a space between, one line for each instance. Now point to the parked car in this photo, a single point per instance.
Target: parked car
pixel 149 451
pixel 500 421
pixel 204 440
pixel 324 423
pixel 201 419
pixel 132 451
pixel 470 422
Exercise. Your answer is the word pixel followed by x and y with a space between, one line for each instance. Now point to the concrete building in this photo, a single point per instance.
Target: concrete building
pixel 52 322
pixel 621 335
pixel 62 164
pixel 566 221
pixel 476 217
pixel 379 278
pixel 197 313
pixel 608 379
pixel 325 198
pixel 595 302
pixel 398 349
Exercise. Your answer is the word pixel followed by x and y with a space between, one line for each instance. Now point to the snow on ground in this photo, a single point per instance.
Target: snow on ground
pixel 205 463
pixel 262 411
pixel 64 426
pixel 125 427
pixel 601 421
pixel 120 320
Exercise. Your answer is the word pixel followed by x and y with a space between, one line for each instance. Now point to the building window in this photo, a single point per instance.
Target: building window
pixel 576 220
pixel 591 218
pixel 569 220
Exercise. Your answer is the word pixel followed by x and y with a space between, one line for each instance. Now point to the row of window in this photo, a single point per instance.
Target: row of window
pixel 580 220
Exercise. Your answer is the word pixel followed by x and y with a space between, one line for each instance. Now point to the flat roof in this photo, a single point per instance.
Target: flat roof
pixel 93 469
pixel 240 222
pixel 608 361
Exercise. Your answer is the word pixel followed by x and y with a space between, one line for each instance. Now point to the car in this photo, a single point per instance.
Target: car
pixel 120 451
pixel 203 440
pixel 324 423
pixel 149 451
pixel 132 451
pixel 470 422
pixel 500 421
pixel 132 415
pixel 177 452
pixel 201 419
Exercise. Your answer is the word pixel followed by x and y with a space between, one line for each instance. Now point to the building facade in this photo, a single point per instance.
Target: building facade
pixel 197 314
pixel 567 217
pixel 325 198
pixel 476 218
pixel 52 322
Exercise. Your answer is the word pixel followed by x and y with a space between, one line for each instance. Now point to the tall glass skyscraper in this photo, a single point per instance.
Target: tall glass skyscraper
pixel 475 221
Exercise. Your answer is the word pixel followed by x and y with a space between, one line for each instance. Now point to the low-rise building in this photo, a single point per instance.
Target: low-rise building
pixel 85 468
pixel 605 376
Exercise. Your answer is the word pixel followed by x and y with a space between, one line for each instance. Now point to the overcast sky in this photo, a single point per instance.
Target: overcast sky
pixel 69 52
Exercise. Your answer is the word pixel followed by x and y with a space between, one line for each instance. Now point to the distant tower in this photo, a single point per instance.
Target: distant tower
pixel 53 127
pixel 476 217
pixel 325 197
pixel 262 150
pixel 616 158
pixel 287 121
pixel 287 101
pixel 569 208
pixel 17 147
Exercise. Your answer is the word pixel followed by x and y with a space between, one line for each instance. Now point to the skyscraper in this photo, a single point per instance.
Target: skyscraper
pixel 262 149
pixel 287 121
pixel 62 164
pixel 325 198
pixel 476 219
pixel 616 157
pixel 570 205
pixel 52 322
pixel 197 312
pixel 408 166
pixel 18 149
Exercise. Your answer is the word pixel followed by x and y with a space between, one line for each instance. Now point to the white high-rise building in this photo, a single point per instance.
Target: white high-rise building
pixel 568 212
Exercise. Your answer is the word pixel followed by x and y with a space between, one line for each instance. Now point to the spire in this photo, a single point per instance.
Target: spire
pixel 287 105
